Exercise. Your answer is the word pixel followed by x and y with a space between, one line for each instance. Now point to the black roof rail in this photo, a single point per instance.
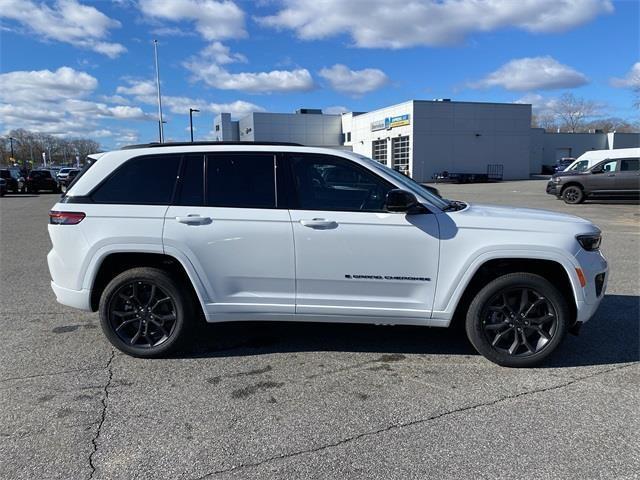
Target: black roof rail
pixel 199 144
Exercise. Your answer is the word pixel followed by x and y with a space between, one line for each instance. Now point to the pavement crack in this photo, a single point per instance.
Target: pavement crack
pixel 398 426
pixel 103 414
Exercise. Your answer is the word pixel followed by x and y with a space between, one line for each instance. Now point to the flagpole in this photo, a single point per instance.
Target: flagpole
pixel 160 122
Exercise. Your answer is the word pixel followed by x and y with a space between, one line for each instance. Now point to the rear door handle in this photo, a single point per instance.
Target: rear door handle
pixel 320 224
pixel 193 219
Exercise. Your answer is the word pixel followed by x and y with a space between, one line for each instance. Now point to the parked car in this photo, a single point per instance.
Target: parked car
pixel 156 237
pixel 610 178
pixel 63 173
pixel 13 178
pixel 68 178
pixel 3 187
pixel 38 180
pixel 563 163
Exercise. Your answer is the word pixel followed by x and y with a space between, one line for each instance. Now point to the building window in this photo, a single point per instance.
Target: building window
pixel 348 136
pixel 400 154
pixel 379 151
pixel 217 128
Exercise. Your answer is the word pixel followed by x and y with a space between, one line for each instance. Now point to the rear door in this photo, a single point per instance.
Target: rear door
pixel 628 175
pixel 353 258
pixel 226 220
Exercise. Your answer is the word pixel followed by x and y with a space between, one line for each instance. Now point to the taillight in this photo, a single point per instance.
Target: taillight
pixel 65 218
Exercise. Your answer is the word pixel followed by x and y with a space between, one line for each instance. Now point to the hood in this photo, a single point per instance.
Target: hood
pixel 522 219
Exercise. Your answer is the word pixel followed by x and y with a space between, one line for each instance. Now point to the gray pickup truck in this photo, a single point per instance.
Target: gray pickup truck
pixel 609 178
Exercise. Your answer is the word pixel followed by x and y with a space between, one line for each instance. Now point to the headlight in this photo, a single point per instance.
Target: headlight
pixel 590 242
pixel 557 179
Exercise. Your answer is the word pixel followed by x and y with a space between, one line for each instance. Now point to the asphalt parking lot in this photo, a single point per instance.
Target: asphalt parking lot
pixel 277 400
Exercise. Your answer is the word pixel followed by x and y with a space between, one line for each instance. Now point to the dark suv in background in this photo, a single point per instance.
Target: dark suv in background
pixel 41 180
pixel 13 178
pixel 609 178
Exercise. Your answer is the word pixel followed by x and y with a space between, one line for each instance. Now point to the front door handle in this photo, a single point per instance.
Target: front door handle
pixel 193 219
pixel 320 224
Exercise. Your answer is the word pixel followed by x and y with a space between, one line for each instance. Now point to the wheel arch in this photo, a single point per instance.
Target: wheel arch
pixel 558 273
pixel 572 183
pixel 114 263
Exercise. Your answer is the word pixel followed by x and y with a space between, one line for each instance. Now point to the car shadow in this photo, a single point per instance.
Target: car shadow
pixel 19 195
pixel 612 201
pixel 611 336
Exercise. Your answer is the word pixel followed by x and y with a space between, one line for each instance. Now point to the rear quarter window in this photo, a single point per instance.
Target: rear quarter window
pixel 148 180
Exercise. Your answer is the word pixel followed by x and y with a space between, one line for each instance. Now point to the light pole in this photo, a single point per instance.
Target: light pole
pixel 11 142
pixel 191 110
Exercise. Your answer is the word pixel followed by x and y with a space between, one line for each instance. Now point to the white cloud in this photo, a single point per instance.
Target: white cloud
pixel 533 73
pixel 221 54
pixel 144 91
pixel 214 19
pixel 66 21
pixel 335 110
pixel 57 102
pixel 406 23
pixel 630 80
pixel 539 104
pixel 354 82
pixel 298 80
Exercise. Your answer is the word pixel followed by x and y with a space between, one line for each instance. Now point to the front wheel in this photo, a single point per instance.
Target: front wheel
pixel 573 195
pixel 144 312
pixel 517 320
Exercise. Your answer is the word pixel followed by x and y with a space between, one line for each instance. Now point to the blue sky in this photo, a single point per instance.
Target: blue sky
pixel 74 67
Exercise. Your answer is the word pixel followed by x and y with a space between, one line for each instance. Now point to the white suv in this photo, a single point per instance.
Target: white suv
pixel 157 236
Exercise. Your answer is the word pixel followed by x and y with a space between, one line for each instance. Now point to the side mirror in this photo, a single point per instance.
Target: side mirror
pixel 402 201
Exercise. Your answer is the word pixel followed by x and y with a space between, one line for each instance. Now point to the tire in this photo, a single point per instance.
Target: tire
pixel 134 328
pixel 573 195
pixel 496 312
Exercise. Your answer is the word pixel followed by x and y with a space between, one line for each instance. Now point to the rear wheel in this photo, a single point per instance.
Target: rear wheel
pixel 517 320
pixel 573 194
pixel 145 313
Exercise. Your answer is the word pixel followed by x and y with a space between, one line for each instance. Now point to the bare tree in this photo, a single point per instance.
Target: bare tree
pixel 572 111
pixel 636 102
pixel 612 124
pixel 546 120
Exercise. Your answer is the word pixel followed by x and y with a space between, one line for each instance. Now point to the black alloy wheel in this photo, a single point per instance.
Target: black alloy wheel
pixel 142 314
pixel 573 195
pixel 517 320
pixel 145 312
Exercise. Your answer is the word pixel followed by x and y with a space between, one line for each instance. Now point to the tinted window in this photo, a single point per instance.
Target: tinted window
pixel 40 174
pixel 143 180
pixel 609 166
pixel 330 183
pixel 192 181
pixel 241 180
pixel 5 174
pixel 630 164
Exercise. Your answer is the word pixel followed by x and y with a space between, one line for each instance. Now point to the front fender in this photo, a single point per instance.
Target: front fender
pixel 449 293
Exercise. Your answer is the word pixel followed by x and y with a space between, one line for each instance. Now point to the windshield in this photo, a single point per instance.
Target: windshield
pixel 579 166
pixel 407 182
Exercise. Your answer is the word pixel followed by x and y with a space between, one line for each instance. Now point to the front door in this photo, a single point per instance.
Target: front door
pixel 227 222
pixel 604 181
pixel 352 257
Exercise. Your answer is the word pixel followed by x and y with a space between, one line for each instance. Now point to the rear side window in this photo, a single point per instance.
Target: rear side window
pixel 241 180
pixel 191 181
pixel 142 180
pixel 630 164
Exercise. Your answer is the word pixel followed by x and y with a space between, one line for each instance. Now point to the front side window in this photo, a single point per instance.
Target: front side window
pixel 141 181
pixel 244 180
pixel 630 164
pixel 323 182
pixel 609 166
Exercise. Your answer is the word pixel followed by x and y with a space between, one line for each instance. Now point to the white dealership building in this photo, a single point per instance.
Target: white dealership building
pixel 421 138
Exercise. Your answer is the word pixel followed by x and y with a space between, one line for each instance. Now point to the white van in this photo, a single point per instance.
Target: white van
pixel 590 158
